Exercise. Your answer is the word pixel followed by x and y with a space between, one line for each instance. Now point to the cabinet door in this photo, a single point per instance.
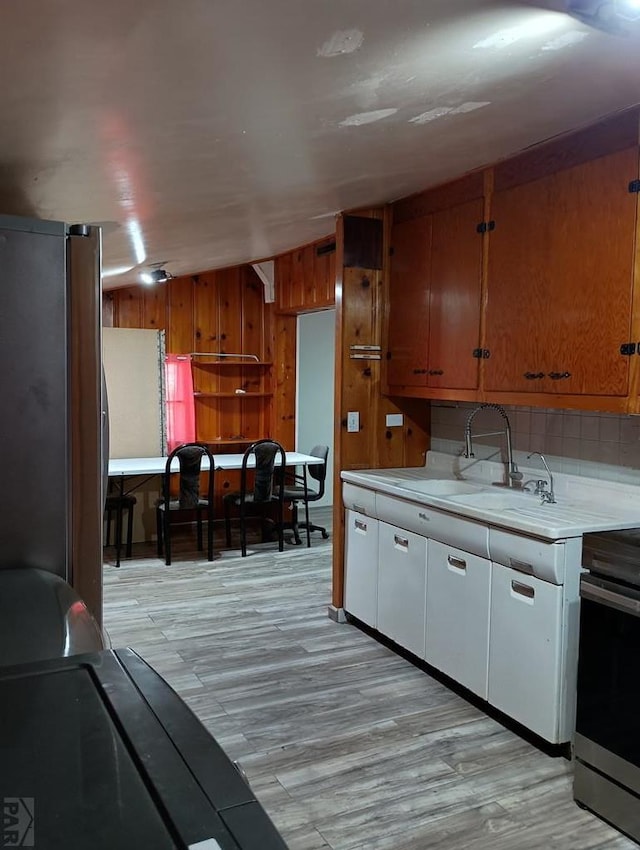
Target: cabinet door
pixel 454 304
pixel 402 587
pixel 361 567
pixel 458 599
pixel 408 317
pixel 525 650
pixel 560 280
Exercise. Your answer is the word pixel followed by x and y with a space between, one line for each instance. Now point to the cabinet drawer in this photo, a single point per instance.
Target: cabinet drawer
pixel 528 555
pixel 361 567
pixel 359 499
pixel 525 663
pixel 402 587
pixel 458 599
pixel 437 525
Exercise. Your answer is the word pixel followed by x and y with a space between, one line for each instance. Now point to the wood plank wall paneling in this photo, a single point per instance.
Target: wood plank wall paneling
pixel 284 400
pixel 282 276
pixel 128 308
pixel 206 316
pixel 154 306
pixel 613 134
pixel 324 272
pixel 360 296
pixel 468 188
pixel 223 311
pixel 180 316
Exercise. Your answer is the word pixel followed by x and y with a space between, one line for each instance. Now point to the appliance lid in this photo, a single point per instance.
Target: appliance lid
pixel 104 754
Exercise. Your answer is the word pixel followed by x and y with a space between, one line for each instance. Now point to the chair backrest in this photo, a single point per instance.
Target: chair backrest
pixel 318 471
pixel 270 461
pixel 190 462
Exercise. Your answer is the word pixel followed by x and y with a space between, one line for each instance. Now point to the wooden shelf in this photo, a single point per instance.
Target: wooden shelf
pixel 251 363
pixel 232 395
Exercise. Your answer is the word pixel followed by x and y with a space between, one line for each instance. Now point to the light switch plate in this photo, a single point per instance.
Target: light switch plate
pixel 394 419
pixel 353 421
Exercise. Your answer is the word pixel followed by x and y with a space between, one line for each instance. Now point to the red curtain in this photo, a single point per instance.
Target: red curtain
pixel 181 415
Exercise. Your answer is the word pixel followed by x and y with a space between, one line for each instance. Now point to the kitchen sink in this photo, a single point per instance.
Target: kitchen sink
pixel 497 501
pixel 441 487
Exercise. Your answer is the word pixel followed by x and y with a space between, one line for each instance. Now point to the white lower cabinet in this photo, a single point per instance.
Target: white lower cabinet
pixel 402 587
pixel 361 567
pixel 495 629
pixel 458 601
pixel 525 659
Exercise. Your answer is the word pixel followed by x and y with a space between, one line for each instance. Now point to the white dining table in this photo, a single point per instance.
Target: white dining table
pixel 130 466
pixel 120 469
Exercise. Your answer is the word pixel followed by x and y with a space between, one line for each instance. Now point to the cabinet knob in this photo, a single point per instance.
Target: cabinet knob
pixel 558 376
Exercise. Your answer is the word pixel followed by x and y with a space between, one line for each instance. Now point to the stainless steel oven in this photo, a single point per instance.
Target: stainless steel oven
pixel 607 744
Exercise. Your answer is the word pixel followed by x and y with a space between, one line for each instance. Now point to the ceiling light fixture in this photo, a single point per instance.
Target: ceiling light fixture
pixel 605 14
pixel 152 276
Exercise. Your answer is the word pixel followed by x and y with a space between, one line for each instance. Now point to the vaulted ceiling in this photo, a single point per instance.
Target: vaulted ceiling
pixel 205 133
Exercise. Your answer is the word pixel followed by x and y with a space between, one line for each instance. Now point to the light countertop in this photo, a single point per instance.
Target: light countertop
pixel 583 504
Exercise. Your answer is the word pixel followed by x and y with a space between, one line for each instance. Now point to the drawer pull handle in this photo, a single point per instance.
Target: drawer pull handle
pixel 359 509
pixel 533 376
pixel 523 589
pixel 521 566
pixel 558 376
pixel 458 563
pixel 361 526
pixel 403 542
pixel 422 515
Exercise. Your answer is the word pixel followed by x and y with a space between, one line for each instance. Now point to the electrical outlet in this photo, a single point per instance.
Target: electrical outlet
pixel 353 421
pixel 394 419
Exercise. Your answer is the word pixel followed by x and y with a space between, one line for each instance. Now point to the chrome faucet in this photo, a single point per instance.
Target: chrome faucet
pixel 541 486
pixel 513 474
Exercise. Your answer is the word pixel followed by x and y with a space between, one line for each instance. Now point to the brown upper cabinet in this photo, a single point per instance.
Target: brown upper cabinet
pixel 454 301
pixel 434 298
pixel 560 280
pixel 305 278
pixel 408 316
pixel 544 295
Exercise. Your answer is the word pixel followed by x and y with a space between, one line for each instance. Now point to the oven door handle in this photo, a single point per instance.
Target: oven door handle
pixel 610 598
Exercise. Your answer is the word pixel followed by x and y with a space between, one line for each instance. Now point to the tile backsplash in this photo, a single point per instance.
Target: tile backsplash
pixel 600 445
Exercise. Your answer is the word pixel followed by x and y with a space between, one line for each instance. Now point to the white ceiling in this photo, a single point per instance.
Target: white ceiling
pixel 205 133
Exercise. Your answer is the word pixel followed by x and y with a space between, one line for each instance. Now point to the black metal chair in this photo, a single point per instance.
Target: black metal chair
pixel 117 504
pixel 296 491
pixel 267 490
pixel 190 457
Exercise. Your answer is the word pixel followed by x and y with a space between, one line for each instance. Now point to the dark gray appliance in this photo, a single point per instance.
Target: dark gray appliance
pixel 99 752
pixel 607 744
pixel 51 433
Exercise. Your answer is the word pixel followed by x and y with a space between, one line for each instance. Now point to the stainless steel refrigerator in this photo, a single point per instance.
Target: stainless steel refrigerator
pixel 52 413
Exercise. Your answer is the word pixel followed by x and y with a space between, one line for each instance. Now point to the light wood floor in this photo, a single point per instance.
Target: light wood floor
pixel 347 745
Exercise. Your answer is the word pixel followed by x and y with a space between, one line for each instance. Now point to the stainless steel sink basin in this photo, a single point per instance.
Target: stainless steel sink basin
pixel 507 500
pixel 441 487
